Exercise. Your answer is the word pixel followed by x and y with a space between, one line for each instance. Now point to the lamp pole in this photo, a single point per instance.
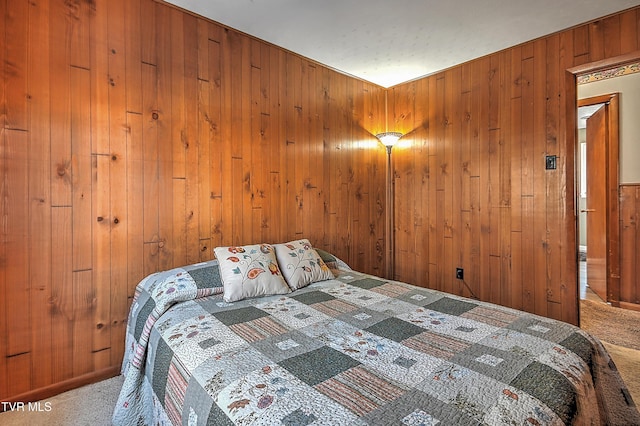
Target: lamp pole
pixel 389 139
pixel 389 208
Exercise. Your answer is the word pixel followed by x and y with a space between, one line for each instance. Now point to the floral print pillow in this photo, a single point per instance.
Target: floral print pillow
pixel 300 264
pixel 249 271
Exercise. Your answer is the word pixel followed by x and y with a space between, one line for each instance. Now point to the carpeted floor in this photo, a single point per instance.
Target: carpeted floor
pixel 85 406
pixel 618 329
pixel 613 325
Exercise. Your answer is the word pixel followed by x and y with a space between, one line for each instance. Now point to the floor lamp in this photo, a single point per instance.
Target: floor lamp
pixel 389 139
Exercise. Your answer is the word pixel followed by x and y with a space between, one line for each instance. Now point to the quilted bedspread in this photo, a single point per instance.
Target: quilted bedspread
pixel 355 350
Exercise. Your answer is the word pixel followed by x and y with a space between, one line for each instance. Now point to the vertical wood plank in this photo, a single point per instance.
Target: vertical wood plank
pixel 40 237
pixel 225 145
pixel 267 141
pixel 180 222
pixel 15 234
pixel 15 67
pixel 148 34
pixel 638 25
pixel 3 90
pixel 485 133
pixel 135 201
pixel 192 143
pixel 100 278
pixel 596 41
pixel 83 308
pixel 611 36
pixel 540 237
pixel 165 141
pixel 255 163
pixel 81 168
pixel 115 322
pixel 62 308
pixel 516 204
pixel 403 159
pixel 100 189
pixel 178 64
pixel 505 177
pixel 553 180
pixel 629 243
pixel 495 155
pixel 527 181
pixel 202 48
pixel 250 223
pixel 101 79
pixel 568 112
pixel 211 158
pixel 150 153
pixel 3 249
pixel 274 108
pixel 423 176
pixel 452 195
pixel 132 34
pixel 179 137
pixel 634 293
pixel 60 106
pixel 581 40
pixel 79 14
pixel 206 168
pixel 150 167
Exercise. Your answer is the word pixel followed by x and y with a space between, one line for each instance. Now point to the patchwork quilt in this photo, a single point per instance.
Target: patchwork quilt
pixel 355 350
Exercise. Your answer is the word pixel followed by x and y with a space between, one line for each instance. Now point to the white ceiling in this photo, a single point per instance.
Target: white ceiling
pixel 393 41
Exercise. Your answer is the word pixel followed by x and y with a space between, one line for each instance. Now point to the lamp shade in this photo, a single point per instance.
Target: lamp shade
pixel 389 138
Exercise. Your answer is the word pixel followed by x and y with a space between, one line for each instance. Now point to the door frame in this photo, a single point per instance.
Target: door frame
pixel 571 110
pixel 612 207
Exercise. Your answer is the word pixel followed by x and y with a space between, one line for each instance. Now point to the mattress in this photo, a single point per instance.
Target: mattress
pixel 355 350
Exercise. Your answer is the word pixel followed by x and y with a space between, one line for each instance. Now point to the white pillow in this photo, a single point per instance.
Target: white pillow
pixel 249 271
pixel 300 264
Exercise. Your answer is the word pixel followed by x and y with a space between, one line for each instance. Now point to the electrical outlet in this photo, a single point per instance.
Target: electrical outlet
pixel 459 274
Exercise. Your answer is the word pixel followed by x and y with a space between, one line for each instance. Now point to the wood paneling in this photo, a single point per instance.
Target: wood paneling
pixel 630 246
pixel 135 137
pixel 493 209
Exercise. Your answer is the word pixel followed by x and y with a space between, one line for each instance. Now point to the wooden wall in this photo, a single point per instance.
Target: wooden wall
pixel 630 246
pixel 134 138
pixel 471 186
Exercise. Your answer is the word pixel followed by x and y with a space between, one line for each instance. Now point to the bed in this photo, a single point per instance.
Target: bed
pixel 354 349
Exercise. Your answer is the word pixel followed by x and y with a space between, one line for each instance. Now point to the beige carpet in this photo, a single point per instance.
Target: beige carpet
pixel 85 406
pixel 628 364
pixel 612 325
pixel 619 331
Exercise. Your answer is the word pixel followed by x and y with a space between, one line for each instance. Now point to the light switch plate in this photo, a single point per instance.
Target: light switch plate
pixel 551 162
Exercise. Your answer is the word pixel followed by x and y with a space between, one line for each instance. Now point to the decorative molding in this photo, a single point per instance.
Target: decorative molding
pixel 610 73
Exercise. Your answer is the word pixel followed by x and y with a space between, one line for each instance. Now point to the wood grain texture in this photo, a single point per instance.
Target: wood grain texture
pixel 630 244
pixel 491 122
pixel 40 250
pixel 3 213
pixel 137 138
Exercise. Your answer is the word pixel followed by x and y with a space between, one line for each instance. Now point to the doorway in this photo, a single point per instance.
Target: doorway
pixel 598 185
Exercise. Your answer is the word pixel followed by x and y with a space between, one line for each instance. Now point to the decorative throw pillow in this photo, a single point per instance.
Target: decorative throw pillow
pixel 300 264
pixel 330 260
pixel 249 271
